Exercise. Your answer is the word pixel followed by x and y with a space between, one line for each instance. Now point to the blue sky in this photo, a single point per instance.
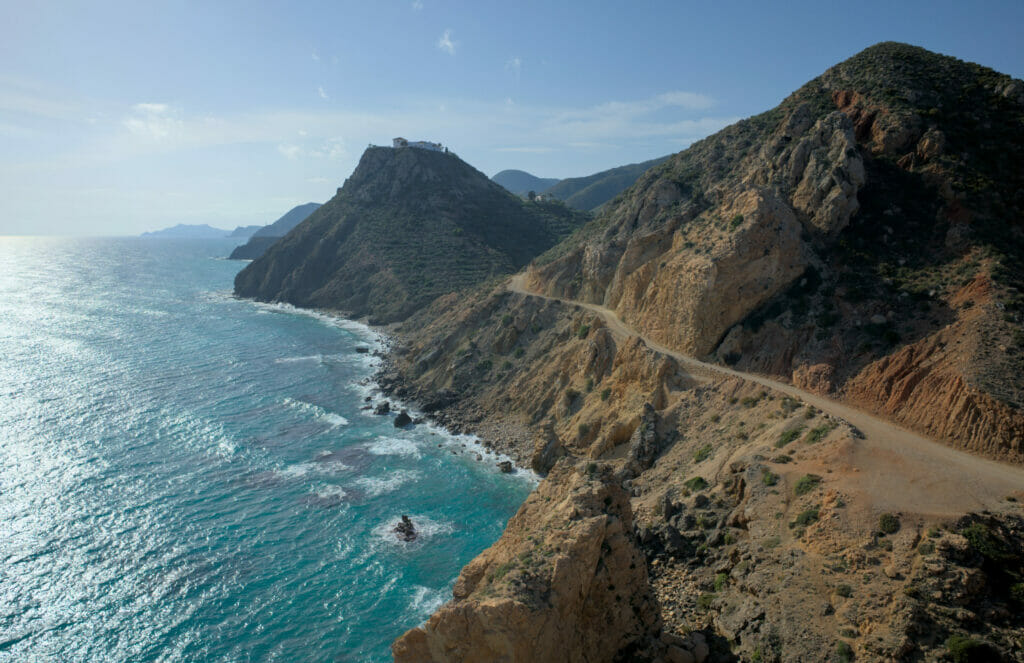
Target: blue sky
pixel 120 117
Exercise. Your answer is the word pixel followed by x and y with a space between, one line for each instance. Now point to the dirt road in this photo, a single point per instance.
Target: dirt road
pixel 892 468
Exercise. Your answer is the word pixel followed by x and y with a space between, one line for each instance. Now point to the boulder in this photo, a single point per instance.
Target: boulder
pixel 402 420
pixel 405 529
pixel 382 408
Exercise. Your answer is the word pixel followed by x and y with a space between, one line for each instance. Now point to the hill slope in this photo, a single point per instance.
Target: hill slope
pixel 182 230
pixel 592 191
pixel 265 236
pixel 407 226
pixel 521 182
pixel 863 239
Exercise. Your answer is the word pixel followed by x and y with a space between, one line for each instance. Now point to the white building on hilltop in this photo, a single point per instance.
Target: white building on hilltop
pixel 421 144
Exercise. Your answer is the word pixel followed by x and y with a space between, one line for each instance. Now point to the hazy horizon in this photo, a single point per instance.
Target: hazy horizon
pixel 121 119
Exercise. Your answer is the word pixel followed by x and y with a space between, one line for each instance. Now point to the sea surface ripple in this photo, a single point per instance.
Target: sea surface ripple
pixel 185 476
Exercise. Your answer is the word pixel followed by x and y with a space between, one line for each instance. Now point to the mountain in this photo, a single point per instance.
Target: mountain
pixel 265 236
pixel 407 226
pixel 743 379
pixel 521 182
pixel 243 231
pixel 189 231
pixel 291 218
pixel 589 193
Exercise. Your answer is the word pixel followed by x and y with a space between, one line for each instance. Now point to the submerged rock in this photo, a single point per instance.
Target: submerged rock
pixel 382 408
pixel 506 466
pixel 403 419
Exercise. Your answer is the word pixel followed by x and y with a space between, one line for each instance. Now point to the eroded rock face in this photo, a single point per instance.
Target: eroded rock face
pixel 565 583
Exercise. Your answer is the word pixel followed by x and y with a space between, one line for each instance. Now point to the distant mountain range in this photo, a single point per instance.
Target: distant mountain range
pixel 521 182
pixel 263 238
pixel 583 193
pixel 201 231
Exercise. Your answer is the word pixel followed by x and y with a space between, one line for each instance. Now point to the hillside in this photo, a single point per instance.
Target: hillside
pixel 407 226
pixel 182 230
pixel 521 182
pixel 847 266
pixel 864 239
pixel 265 236
pixel 592 191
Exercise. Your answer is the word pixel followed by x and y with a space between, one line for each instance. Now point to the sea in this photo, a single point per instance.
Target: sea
pixel 187 476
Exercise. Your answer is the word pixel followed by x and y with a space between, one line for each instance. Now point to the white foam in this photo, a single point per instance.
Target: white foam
pixel 295 360
pixel 393 446
pixel 332 418
pixel 375 486
pixel 330 492
pixel 426 600
pixel 301 470
pixel 357 328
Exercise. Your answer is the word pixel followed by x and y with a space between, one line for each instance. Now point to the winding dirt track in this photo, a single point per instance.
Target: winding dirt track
pixel 893 468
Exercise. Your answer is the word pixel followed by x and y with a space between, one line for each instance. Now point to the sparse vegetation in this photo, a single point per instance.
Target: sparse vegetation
pixel 606 393
pixel 844 653
pixel 704 601
pixel 845 591
pixel 963 649
pixel 806 484
pixel 721 580
pixel 819 433
pixel 769 478
pixel 583 331
pixel 888 523
pixel 703 453
pixel 696 484
pixel 788 436
pixel 806 517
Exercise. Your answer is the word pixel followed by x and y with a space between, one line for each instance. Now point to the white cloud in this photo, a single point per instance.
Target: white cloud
pixel 515 65
pixel 417 5
pixel 316 58
pixel 446 44
pixel 152 121
pixel 323 95
pixel 290 152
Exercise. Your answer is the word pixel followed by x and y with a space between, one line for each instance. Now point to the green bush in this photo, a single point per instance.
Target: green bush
pixel 506 320
pixel 769 478
pixel 788 436
pixel 484 365
pixel 888 523
pixel 735 222
pixel 696 484
pixel 605 393
pixel 519 352
pixel 844 653
pixel 963 649
pixel 806 484
pixel 703 453
pixel 818 434
pixel 806 517
pixel 589 385
pixel 926 548
pixel 704 601
pixel 845 591
pixel 583 430
pixel 583 331
pixel 720 581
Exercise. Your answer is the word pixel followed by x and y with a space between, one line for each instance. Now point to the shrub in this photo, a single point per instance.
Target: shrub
pixel 605 393
pixel 696 483
pixel 583 429
pixel 704 601
pixel 984 542
pixel 506 365
pixel 806 517
pixel 818 434
pixel 963 649
pixel 703 453
pixel 735 222
pixel 506 320
pixel 844 653
pixel 845 591
pixel 806 484
pixel 583 331
pixel 788 436
pixel 589 385
pixel 925 548
pixel 888 523
pixel 519 352
pixel 783 459
pixel 720 581
pixel 769 478
pixel 484 365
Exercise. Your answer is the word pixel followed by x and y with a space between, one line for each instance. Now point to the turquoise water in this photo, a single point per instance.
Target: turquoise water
pixel 189 477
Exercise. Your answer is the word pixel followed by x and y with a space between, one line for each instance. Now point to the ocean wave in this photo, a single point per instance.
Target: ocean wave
pixel 375 486
pixel 425 600
pixel 393 446
pixel 357 328
pixel 301 470
pixel 332 418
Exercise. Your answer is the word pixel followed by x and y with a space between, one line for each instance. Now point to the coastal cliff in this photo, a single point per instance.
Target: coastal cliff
pixel 859 245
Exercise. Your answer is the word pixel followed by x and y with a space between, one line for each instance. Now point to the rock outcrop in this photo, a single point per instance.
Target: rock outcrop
pixel 565 583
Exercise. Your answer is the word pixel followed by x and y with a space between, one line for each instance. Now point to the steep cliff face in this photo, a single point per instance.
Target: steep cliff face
pixel 407 226
pixel 265 236
pixel 875 214
pixel 565 583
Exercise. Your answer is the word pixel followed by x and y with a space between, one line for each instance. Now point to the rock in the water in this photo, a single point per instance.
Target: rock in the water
pixel 362 349
pixel 382 408
pixel 405 529
pixel 403 419
pixel 505 466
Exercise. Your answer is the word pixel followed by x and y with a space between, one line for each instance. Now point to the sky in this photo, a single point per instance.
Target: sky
pixel 122 117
